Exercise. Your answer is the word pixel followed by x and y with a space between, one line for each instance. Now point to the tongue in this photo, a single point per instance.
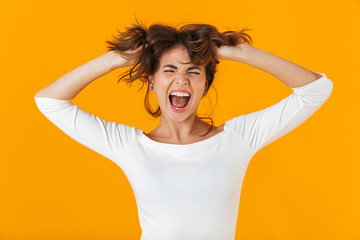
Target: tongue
pixel 179 102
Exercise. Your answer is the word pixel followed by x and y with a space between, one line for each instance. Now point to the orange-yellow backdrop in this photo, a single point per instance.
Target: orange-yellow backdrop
pixel 305 185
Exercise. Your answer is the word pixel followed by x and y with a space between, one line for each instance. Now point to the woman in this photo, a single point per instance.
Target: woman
pixel 186 174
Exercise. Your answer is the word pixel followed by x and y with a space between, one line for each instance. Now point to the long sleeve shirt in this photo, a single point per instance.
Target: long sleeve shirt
pixel 191 191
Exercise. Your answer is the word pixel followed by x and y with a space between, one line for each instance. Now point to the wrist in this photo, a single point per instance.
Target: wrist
pixel 242 52
pixel 114 60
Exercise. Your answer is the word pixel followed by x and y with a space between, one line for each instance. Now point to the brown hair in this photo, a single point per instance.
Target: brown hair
pixel 200 40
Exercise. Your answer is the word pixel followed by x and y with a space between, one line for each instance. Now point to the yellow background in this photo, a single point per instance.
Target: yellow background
pixel 305 185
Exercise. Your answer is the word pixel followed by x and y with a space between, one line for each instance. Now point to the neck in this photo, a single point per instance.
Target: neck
pixel 180 131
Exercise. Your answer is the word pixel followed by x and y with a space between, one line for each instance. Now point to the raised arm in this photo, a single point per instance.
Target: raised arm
pixel 310 91
pixel 288 72
pixel 108 138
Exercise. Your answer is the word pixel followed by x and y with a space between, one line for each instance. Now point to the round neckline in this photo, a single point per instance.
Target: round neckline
pixel 173 146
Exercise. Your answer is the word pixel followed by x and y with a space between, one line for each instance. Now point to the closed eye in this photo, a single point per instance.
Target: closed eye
pixel 189 72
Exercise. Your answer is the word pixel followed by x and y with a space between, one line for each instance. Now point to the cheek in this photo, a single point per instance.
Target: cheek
pixel 200 83
pixel 161 94
pixel 162 82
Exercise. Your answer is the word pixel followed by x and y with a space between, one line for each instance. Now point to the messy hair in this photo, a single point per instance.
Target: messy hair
pixel 200 41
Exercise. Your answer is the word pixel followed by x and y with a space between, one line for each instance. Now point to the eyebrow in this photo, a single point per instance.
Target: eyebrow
pixel 190 68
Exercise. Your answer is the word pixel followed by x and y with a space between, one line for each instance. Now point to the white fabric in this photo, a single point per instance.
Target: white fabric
pixel 188 192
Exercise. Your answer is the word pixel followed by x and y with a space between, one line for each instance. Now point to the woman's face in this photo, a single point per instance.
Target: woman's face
pixel 175 77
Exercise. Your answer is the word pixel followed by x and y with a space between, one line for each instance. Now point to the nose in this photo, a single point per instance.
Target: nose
pixel 182 79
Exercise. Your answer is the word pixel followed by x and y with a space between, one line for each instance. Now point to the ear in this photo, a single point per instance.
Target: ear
pixel 151 80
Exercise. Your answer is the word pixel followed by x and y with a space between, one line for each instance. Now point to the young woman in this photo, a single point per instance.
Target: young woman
pixel 186 174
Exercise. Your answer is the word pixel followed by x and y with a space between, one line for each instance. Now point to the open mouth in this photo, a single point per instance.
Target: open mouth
pixel 179 102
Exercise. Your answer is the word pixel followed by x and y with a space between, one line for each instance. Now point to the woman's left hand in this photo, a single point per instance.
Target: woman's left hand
pixel 234 53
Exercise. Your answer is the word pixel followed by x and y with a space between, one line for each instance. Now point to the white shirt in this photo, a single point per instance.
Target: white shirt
pixel 192 191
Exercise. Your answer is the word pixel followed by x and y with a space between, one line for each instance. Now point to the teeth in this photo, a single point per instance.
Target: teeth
pixel 180 94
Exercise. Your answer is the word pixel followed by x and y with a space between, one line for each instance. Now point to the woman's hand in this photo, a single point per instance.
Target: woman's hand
pixel 233 53
pixel 120 61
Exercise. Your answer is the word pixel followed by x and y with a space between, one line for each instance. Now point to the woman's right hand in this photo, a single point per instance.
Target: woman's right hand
pixel 120 61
